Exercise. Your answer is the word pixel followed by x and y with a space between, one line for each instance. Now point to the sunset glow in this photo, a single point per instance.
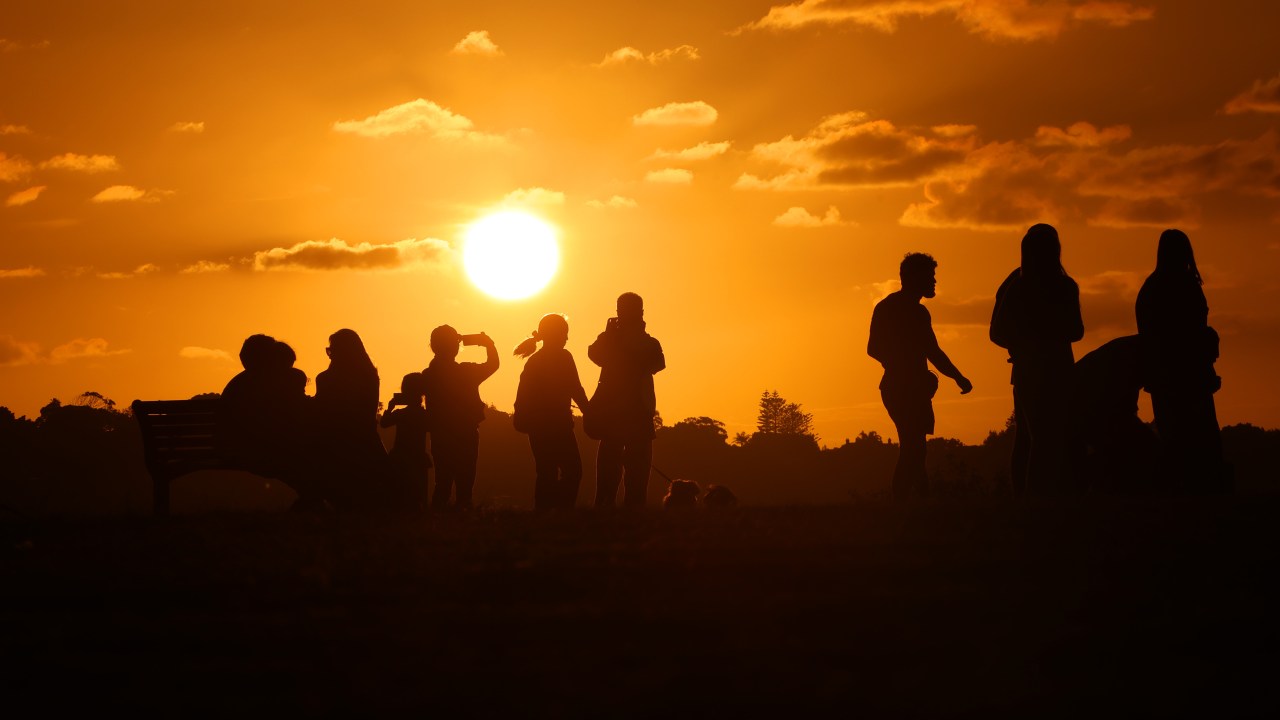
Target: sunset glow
pixel 746 167
pixel 510 255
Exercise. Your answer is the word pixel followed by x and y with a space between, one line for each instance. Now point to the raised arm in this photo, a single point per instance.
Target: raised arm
pixel 490 364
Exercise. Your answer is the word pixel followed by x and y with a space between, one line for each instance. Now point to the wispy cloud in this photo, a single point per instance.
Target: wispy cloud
pixel 195 352
pixel 995 19
pixel 617 202
pixel 625 55
pixel 8 45
pixel 1081 135
pixel 416 116
pixel 337 254
pixel 534 197
pixel 23 197
pixel 1263 97
pixel 678 113
pixel 143 269
pixel 25 272
pixel 9 129
pixel 701 151
pixel 800 217
pixel 18 352
pixel 670 176
pixel 205 266
pixel 193 127
pixel 477 42
pixel 83 348
pixel 13 168
pixel 81 163
pixel 129 193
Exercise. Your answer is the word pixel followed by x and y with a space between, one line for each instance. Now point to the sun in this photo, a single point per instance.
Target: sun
pixel 510 254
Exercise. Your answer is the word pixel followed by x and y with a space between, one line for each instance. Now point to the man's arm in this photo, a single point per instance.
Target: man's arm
pixel 658 361
pixel 944 364
pixel 490 365
pixel 875 339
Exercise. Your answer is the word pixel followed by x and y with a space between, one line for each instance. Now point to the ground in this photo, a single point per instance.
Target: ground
pixel 1151 606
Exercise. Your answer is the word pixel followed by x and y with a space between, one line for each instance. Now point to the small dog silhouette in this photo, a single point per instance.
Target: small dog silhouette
pixel 718 497
pixel 682 494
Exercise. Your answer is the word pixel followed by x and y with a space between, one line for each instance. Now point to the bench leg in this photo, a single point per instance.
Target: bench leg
pixel 160 495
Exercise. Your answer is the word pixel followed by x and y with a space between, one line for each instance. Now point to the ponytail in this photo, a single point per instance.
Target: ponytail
pixel 528 346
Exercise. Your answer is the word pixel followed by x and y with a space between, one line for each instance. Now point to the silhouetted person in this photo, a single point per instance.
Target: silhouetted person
pixel 454 412
pixel 624 404
pixel 1037 318
pixel 1179 349
pixel 263 416
pixel 1112 449
pixel 902 339
pixel 347 424
pixel 410 461
pixel 548 384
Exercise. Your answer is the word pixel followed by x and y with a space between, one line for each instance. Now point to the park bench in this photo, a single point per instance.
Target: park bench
pixel 178 437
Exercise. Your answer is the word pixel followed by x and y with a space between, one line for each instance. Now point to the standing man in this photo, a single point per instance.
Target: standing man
pixel 454 412
pixel 624 404
pixel 902 340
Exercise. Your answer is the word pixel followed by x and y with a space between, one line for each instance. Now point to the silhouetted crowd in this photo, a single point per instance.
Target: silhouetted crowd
pixel 328 449
pixel 1076 424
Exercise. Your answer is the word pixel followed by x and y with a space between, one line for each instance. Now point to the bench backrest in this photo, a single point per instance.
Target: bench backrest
pixel 178 437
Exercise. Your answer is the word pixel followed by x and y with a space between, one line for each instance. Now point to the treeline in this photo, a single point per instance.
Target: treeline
pixel 85 457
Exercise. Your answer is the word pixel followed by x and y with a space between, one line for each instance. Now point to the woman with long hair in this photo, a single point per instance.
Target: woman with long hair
pixel 548 384
pixel 1037 318
pixel 347 407
pixel 1179 349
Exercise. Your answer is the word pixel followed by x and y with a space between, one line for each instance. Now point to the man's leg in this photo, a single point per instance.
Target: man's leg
pixel 569 460
pixel 1021 457
pixel 444 453
pixel 637 461
pixel 468 444
pixel 608 472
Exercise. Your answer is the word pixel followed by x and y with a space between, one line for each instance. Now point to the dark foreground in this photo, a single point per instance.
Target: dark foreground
pixel 1120 607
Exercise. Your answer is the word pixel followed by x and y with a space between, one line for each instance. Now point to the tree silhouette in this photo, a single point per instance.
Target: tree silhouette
pixel 779 417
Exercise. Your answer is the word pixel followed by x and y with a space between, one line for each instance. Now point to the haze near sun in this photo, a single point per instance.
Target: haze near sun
pixel 510 254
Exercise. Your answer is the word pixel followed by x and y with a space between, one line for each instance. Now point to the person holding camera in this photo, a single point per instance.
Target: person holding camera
pixel 410 461
pixel 620 414
pixel 454 412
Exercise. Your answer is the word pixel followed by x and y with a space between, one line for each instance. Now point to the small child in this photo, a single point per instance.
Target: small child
pixel 548 383
pixel 410 461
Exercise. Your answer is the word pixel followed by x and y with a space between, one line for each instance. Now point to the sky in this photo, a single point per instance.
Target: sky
pixel 177 176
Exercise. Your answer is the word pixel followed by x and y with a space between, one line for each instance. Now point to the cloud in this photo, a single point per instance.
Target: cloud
pixel 1081 135
pixel 129 193
pixel 26 272
pixel 678 113
pixel 7 45
pixel 18 352
pixel 81 163
pixel 1023 20
pixel 13 168
pixel 799 217
pixel 1263 97
pixel 336 254
pixel 617 202
pixel 670 176
pixel 534 196
pixel 415 116
pixel 205 266
pixel 82 348
pixel 196 127
pixel 22 197
pixel 14 130
pixel 852 150
pixel 701 151
pixel 625 55
pixel 1077 173
pixel 477 42
pixel 193 352
pixel 144 269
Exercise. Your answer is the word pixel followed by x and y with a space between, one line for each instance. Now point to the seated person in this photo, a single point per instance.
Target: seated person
pixel 1112 449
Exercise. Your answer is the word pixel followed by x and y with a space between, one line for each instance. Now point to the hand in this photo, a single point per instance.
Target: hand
pixel 486 340
pixel 965 385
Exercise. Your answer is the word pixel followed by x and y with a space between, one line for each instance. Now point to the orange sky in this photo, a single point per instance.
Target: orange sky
pixel 177 176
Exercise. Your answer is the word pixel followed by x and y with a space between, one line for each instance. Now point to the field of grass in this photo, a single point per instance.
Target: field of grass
pixel 1155 606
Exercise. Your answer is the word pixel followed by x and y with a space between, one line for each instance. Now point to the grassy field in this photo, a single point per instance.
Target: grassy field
pixel 1157 606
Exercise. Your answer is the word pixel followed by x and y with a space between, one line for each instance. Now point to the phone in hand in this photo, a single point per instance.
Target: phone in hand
pixel 473 339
